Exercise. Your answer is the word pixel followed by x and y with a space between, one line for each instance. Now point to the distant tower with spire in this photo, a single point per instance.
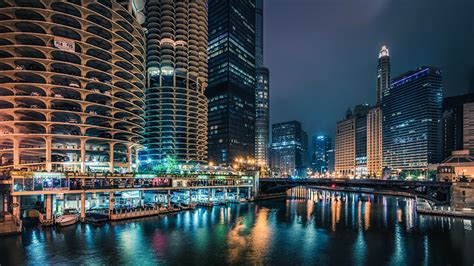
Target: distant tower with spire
pixel 374 117
pixel 383 74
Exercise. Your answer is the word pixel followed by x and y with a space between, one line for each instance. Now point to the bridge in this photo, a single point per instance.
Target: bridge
pixel 438 192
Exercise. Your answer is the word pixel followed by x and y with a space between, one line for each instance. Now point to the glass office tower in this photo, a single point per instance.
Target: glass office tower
pixel 320 157
pixel 412 113
pixel 288 149
pixel 262 94
pixel 231 91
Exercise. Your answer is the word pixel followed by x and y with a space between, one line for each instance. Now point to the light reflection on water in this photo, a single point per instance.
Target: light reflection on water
pixel 310 227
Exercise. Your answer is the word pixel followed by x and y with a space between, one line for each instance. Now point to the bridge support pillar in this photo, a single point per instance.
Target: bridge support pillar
pixel 111 203
pixel 249 193
pixel 208 195
pixel 225 194
pixel 237 196
pixel 16 206
pixel 83 207
pixel 142 198
pixel 48 207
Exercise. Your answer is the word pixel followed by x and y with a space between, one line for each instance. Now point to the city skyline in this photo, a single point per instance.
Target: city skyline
pixel 317 62
pixel 138 132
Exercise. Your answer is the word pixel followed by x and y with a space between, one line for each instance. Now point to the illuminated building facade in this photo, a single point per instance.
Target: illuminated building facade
pixel 345 147
pixel 412 113
pixel 351 142
pixel 176 107
pixel 374 142
pixel 288 149
pixel 231 91
pixel 71 86
pixel 262 93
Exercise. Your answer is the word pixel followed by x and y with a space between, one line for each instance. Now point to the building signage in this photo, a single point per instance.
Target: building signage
pixel 46 175
pixel 64 44
pixel 145 176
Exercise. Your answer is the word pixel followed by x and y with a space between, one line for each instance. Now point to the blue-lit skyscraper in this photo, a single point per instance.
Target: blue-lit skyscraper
pixel 231 90
pixel 320 156
pixel 412 112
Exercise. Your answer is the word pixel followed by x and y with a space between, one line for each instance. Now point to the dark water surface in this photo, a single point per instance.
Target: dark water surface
pixel 347 229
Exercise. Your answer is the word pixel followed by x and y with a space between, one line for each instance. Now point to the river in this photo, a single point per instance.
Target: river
pixel 312 227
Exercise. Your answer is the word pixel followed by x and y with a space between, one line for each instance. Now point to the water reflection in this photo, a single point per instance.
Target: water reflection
pixel 309 227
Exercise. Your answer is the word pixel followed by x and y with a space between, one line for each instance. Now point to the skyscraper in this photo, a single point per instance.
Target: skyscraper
pixel 262 94
pixel 412 120
pixel 72 86
pixel 288 149
pixel 383 74
pixel 231 91
pixel 374 117
pixel 176 107
pixel 321 144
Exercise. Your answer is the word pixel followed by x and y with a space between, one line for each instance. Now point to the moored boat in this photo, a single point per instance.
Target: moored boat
pixel 69 217
pixel 205 204
pixel 96 218
pixel 31 217
pixel 97 215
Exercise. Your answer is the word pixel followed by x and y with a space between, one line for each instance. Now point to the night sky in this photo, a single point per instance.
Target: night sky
pixel 322 54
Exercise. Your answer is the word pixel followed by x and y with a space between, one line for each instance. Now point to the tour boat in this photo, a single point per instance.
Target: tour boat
pixel 69 217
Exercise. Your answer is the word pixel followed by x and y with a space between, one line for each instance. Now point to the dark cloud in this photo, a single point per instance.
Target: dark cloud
pixel 322 54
